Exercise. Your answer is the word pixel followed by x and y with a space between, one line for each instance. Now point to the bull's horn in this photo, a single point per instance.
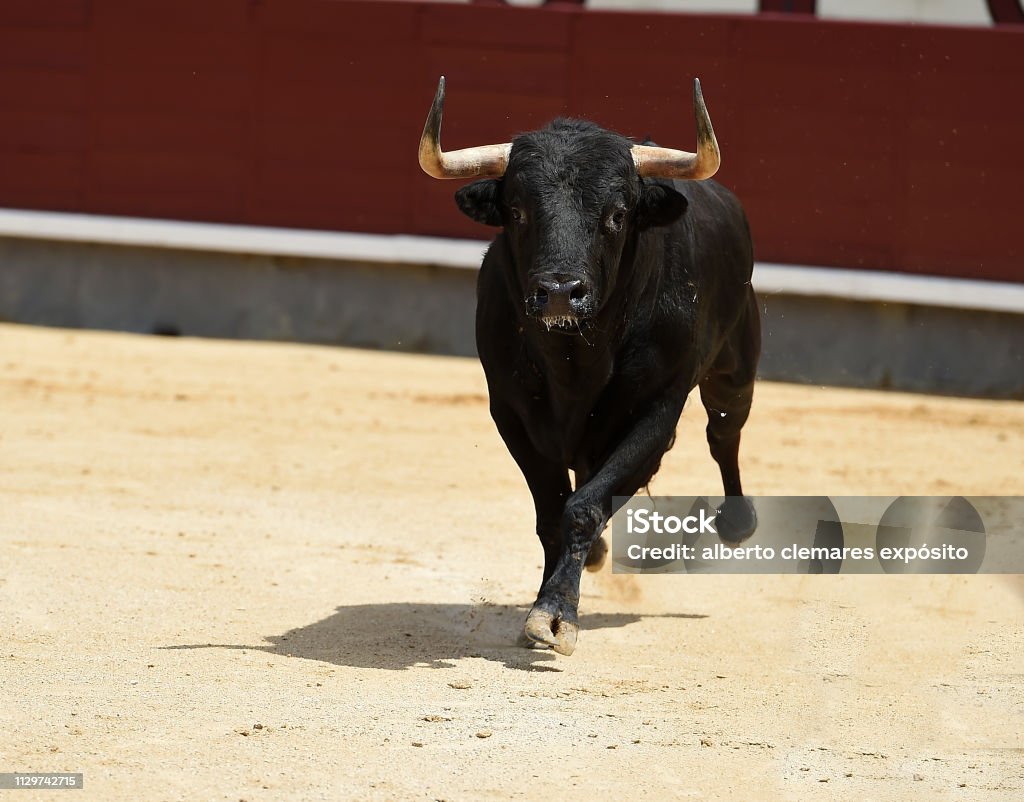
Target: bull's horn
pixel 485 160
pixel 656 162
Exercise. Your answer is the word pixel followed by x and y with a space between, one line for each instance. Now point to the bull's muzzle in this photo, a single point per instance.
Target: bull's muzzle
pixel 559 303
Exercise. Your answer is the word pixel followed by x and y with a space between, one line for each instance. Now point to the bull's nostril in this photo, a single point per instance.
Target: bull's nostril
pixel 541 296
pixel 579 292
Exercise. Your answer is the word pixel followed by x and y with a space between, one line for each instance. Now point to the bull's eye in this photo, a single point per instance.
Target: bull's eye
pixel 615 220
pixel 518 215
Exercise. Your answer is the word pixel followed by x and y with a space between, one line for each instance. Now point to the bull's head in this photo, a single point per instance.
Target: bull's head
pixel 569 196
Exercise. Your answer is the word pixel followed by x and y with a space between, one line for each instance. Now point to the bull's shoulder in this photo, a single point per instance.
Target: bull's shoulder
pixel 708 258
pixel 499 331
pixel 496 316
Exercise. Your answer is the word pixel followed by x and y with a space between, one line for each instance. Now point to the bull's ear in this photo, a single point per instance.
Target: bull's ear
pixel 479 201
pixel 660 205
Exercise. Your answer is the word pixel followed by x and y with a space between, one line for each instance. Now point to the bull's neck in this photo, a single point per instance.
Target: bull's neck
pixel 572 363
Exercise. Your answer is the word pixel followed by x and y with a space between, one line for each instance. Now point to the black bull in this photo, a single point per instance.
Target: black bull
pixel 605 299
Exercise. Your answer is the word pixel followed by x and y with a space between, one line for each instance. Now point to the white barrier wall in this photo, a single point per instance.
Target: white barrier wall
pixel 935 12
pixel 694 6
pixel 949 12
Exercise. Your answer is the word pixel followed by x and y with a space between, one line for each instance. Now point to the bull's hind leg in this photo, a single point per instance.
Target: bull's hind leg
pixel 727 392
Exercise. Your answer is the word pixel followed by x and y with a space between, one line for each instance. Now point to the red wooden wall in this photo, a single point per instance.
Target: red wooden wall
pixel 857 145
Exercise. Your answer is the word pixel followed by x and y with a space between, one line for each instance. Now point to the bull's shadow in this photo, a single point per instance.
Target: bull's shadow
pixel 406 635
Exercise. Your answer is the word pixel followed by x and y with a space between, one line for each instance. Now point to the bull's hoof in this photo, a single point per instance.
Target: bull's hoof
pixel 598 554
pixel 736 519
pixel 543 628
pixel 526 642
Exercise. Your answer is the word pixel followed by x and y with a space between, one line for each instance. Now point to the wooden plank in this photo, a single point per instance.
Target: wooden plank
pixel 49 14
pixel 191 51
pixel 41 180
pixel 165 184
pixel 32 88
pixel 43 131
pixel 163 15
pixel 346 22
pixel 178 91
pixel 474 67
pixel 35 48
pixel 161 130
pixel 499 27
pixel 365 198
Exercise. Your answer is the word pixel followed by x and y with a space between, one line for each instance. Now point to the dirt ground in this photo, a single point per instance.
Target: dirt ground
pixel 262 572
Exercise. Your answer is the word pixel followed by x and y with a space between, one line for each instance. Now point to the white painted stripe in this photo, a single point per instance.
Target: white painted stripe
pixel 830 282
pixel 880 286
pixel 240 239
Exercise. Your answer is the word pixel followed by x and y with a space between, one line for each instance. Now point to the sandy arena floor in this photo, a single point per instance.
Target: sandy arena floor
pixel 263 572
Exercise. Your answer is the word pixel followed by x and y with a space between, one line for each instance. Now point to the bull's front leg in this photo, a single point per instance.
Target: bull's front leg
pixel 554 618
pixel 548 482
